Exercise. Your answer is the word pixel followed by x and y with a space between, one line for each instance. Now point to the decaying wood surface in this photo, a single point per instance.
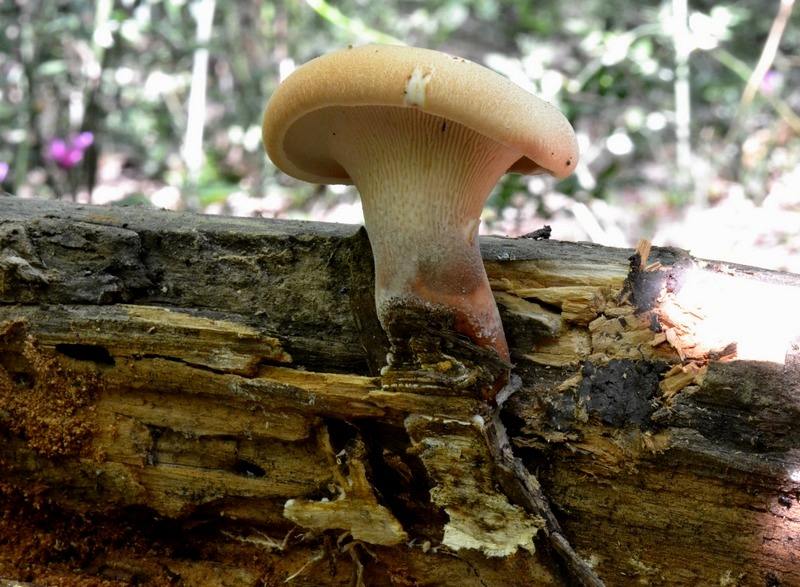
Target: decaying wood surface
pixel 197 400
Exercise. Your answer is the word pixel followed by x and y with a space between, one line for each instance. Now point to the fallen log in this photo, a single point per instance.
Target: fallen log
pixel 197 399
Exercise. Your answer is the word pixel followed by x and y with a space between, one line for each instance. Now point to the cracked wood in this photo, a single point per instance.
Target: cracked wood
pixel 186 372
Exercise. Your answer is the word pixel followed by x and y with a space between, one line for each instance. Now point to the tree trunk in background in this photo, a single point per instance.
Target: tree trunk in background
pixel 197 400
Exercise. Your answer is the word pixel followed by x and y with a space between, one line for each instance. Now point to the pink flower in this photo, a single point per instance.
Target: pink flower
pixel 771 82
pixel 67 154
pixel 84 140
pixel 3 171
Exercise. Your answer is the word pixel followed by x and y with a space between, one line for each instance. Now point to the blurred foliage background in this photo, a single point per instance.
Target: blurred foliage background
pixel 686 110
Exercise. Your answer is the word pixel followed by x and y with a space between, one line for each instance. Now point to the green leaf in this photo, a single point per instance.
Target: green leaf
pixel 139 200
pixel 215 192
pixel 52 68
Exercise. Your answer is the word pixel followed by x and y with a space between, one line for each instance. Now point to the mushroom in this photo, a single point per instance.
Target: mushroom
pixel 424 136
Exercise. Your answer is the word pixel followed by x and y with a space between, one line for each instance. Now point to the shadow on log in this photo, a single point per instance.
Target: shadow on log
pixel 197 400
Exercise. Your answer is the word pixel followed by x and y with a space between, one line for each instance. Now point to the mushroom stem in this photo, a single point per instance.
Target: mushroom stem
pixel 423 183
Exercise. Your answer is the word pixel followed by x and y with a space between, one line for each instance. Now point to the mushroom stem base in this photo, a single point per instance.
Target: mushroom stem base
pixel 429 355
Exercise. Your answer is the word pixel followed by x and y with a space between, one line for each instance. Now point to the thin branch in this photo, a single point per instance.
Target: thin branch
pixel 755 76
pixel 318 556
pixel 521 486
pixel 27 58
pixel 353 26
pixel 768 53
pixel 681 40
pixel 92 115
pixel 740 68
pixel 193 140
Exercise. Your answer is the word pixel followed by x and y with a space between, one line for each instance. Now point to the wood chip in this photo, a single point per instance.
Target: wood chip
pixel 643 250
pixel 658 339
pixel 654 266
pixel 674 339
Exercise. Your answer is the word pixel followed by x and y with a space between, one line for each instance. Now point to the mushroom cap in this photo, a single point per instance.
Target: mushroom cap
pixel 408 77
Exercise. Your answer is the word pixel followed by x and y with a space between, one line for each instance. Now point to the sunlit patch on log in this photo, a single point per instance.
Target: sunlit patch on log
pixel 731 316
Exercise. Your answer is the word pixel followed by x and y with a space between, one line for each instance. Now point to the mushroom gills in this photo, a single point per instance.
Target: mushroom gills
pixel 423 182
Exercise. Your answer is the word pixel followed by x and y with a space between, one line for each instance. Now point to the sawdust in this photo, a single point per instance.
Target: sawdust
pixel 41 400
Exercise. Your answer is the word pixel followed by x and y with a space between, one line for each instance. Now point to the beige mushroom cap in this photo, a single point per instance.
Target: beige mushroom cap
pixel 437 83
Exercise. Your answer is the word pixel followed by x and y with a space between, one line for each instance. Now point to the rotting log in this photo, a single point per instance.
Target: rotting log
pixel 198 400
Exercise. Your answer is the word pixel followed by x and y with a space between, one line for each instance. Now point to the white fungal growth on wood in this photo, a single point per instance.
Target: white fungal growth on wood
pixel 480 517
